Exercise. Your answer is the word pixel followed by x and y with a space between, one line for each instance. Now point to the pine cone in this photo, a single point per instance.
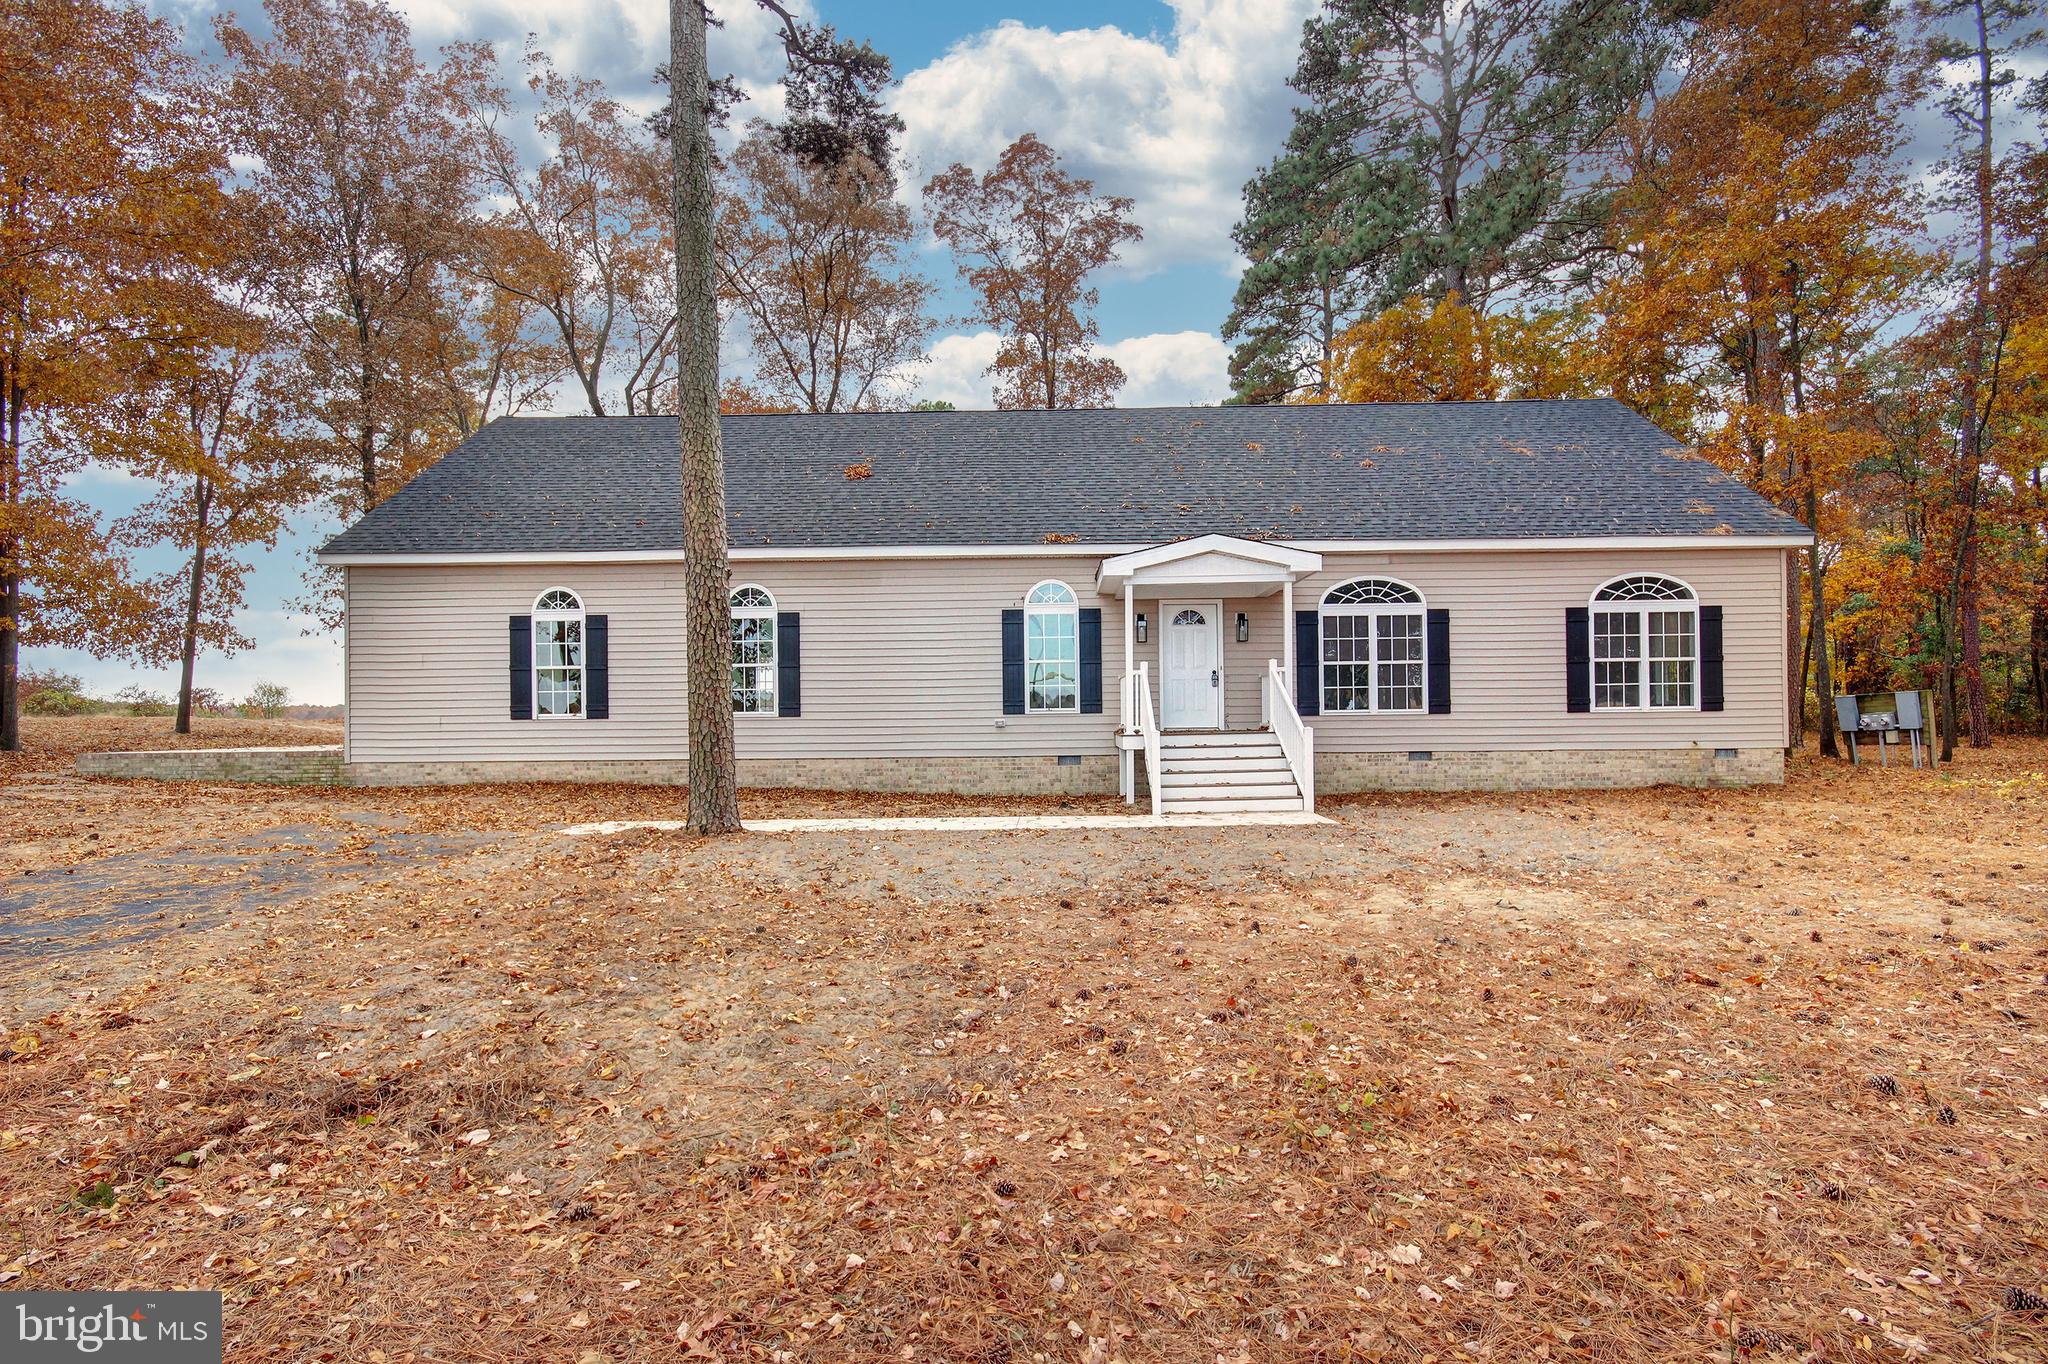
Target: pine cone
pixel 1885 1085
pixel 2024 1300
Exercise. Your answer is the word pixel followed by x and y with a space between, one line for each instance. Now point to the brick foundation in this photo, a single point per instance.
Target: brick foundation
pixel 312 766
pixel 1547 769
pixel 1095 774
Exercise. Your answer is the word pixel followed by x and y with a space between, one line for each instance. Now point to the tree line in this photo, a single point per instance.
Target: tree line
pixel 1706 211
pixel 296 277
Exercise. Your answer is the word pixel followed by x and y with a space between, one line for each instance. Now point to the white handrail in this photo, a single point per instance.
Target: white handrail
pixel 1297 740
pixel 1148 729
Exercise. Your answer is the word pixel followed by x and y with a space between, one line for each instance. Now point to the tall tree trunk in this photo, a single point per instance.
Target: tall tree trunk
pixel 10 575
pixel 707 633
pixel 1968 605
pixel 1817 640
pixel 1326 390
pixel 1944 628
pixel 2038 665
pixel 188 654
pixel 1970 617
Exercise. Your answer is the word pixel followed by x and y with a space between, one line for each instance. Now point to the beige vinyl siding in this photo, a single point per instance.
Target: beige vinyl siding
pixel 904 657
pixel 1507 650
pixel 429 656
pixel 900 658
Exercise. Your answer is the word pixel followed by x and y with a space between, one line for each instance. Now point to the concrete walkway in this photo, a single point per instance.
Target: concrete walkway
pixel 966 823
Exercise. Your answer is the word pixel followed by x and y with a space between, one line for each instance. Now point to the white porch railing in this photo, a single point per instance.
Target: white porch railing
pixel 1136 717
pixel 1297 740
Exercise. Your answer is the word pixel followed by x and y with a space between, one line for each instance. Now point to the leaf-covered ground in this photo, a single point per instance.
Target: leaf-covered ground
pixel 1646 1075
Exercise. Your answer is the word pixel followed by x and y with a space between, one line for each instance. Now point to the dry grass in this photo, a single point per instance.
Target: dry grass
pixel 1617 1076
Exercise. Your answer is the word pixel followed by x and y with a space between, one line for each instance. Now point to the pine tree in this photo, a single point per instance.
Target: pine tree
pixel 1444 149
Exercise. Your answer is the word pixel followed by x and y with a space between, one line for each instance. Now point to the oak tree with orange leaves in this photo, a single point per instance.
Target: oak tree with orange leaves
pixel 110 201
pixel 366 170
pixel 231 460
pixel 1417 351
pixel 1026 236
pixel 584 239
pixel 815 260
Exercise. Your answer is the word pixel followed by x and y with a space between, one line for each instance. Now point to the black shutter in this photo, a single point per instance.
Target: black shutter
pixel 1013 662
pixel 522 667
pixel 1437 638
pixel 1308 663
pixel 1091 660
pixel 789 663
pixel 1578 659
pixel 597 668
pixel 1711 690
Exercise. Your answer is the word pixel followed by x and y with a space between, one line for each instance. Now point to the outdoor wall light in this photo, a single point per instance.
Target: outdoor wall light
pixel 1141 627
pixel 1244 628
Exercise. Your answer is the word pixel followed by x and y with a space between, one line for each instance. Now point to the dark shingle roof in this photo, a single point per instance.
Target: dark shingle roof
pixel 1382 471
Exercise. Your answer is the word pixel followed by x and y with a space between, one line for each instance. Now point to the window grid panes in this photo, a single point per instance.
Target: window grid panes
pixel 1052 651
pixel 1617 658
pixel 1372 660
pixel 557 654
pixel 1646 656
pixel 753 652
pixel 1398 660
pixel 1671 658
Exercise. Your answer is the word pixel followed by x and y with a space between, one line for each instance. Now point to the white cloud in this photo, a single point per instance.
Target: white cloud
pixel 954 370
pixel 1165 369
pixel 619 42
pixel 1171 369
pixel 1177 123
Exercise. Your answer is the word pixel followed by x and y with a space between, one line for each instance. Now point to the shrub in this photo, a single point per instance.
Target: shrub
pixel 45 691
pixel 267 700
pixel 142 701
pixel 54 701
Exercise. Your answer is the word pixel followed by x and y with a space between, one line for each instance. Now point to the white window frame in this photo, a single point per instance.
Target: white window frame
pixel 1371 612
pixel 766 691
pixel 1642 608
pixel 578 673
pixel 1070 610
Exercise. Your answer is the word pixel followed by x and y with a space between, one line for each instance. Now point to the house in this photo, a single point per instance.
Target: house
pixel 1235 607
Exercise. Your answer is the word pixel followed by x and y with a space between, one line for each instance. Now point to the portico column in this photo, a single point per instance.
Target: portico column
pixel 1130 654
pixel 1287 639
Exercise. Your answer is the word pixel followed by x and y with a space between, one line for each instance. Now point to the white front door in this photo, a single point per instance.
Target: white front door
pixel 1191 666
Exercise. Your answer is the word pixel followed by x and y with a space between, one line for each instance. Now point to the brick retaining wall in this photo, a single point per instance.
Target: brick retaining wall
pixel 318 765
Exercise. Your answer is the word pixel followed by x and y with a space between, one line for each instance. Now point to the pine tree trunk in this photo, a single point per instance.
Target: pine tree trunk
pixel 707 620
pixel 189 654
pixel 1823 671
pixel 1968 608
pixel 10 578
pixel 2038 667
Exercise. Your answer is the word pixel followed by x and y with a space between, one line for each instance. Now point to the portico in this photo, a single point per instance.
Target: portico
pixel 1196 591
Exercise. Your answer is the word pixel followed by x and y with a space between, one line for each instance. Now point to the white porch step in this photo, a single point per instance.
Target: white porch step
pixel 1229 760
pixel 1283 789
pixel 1217 738
pixel 1208 774
pixel 1230 806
